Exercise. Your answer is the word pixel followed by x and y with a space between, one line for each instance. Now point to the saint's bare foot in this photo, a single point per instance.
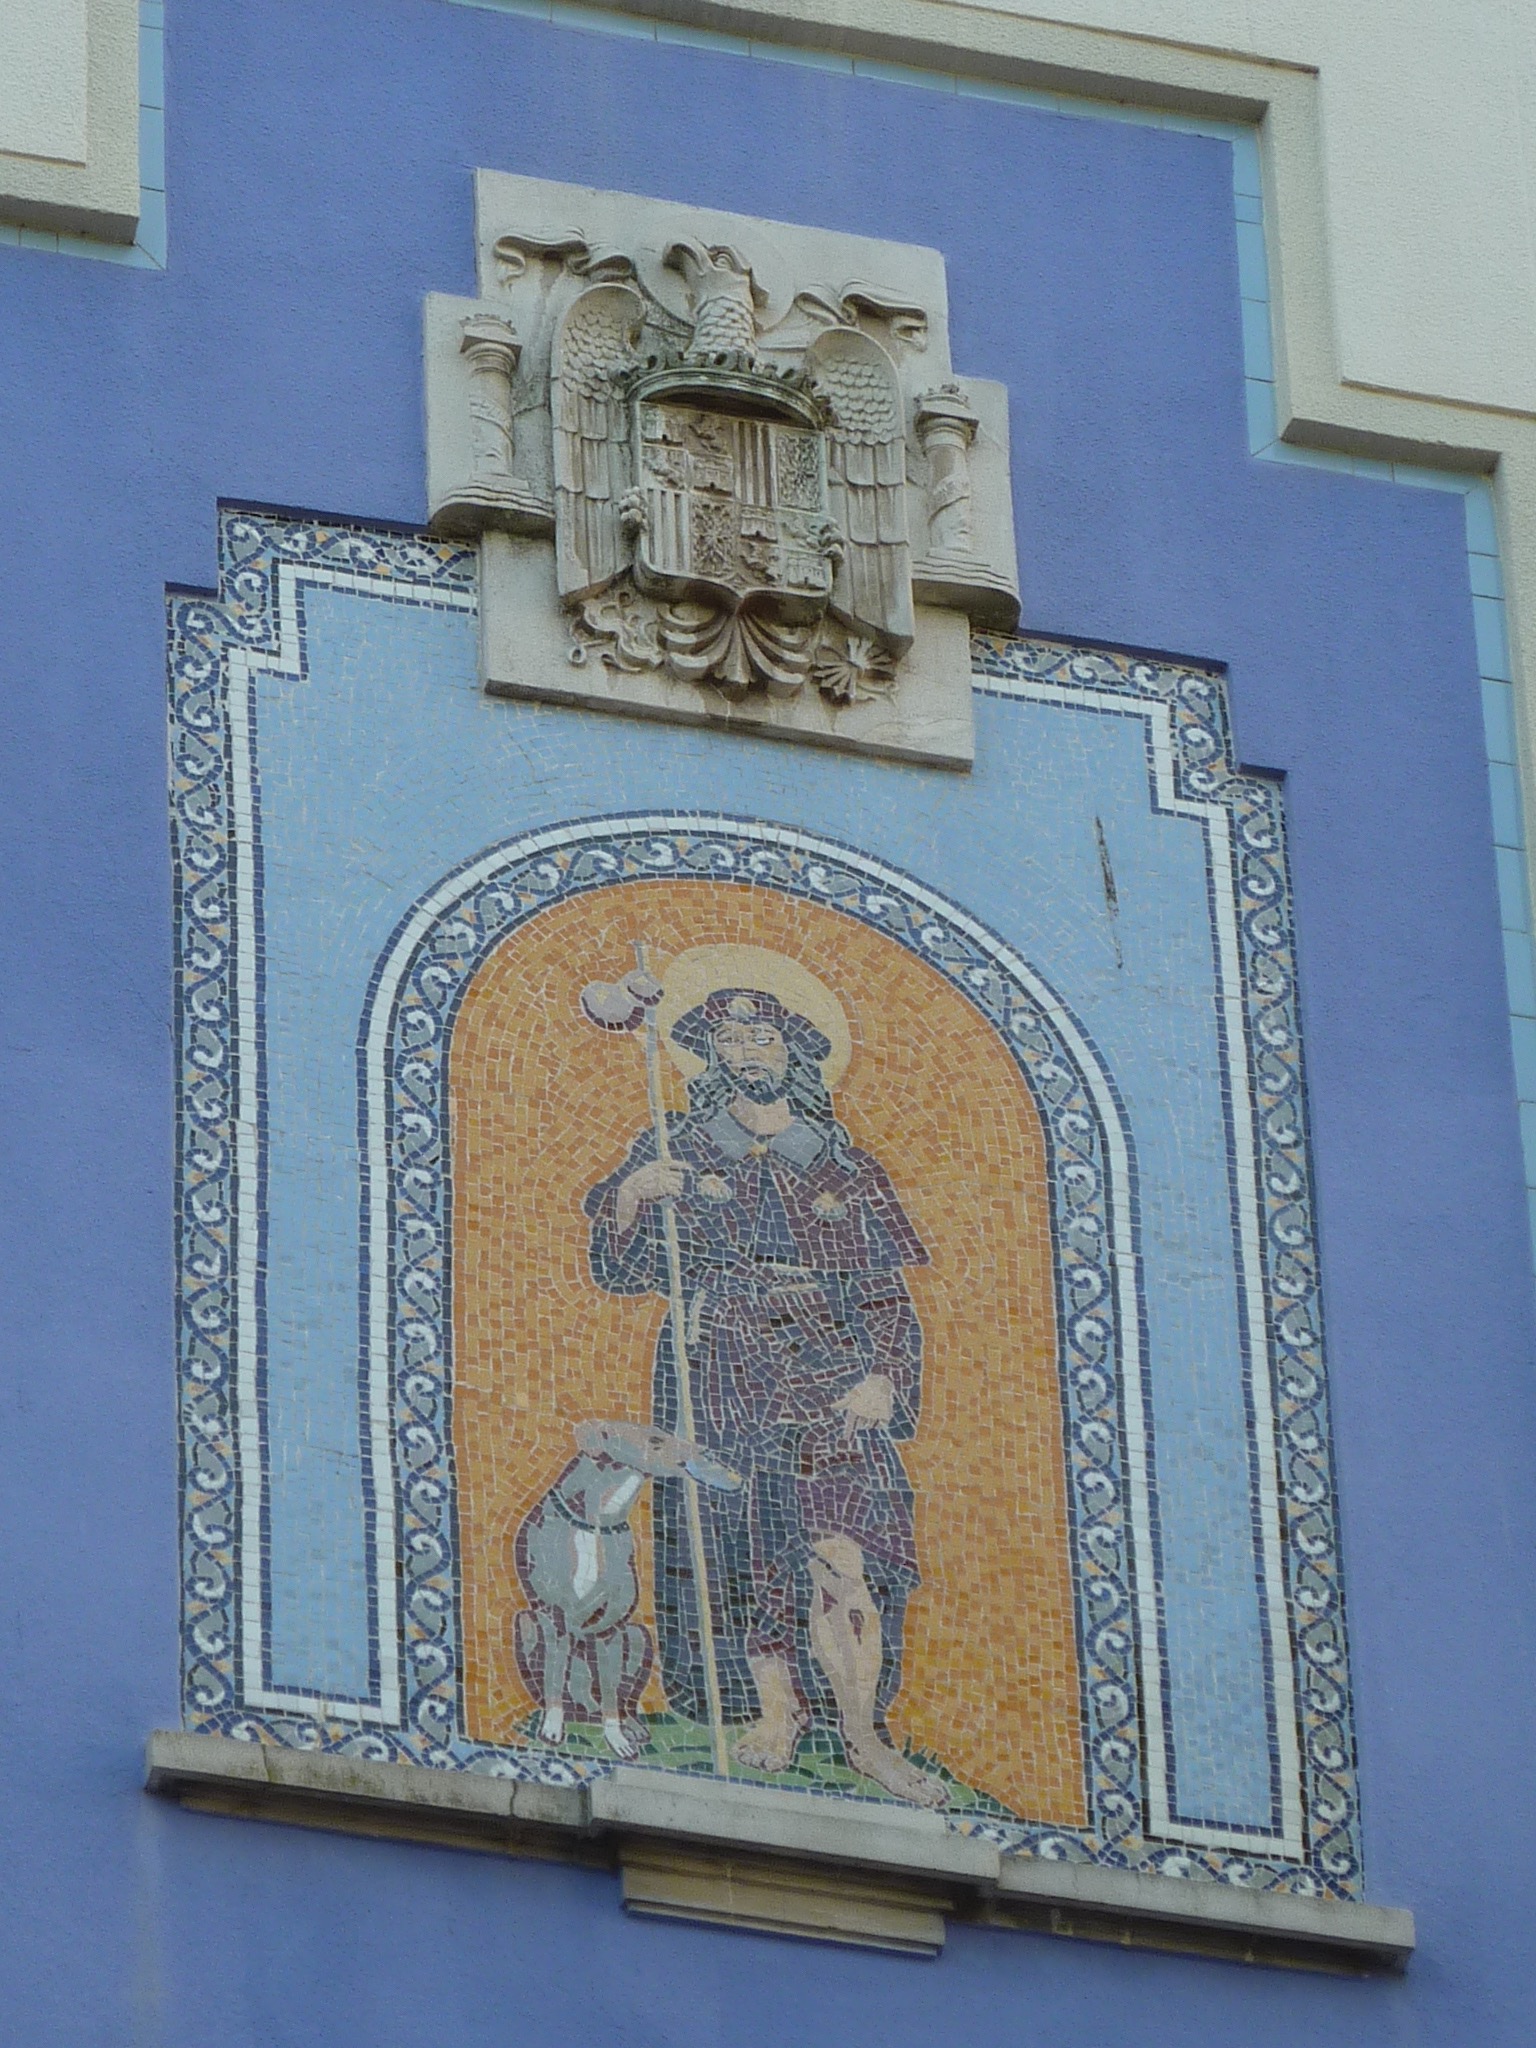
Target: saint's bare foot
pixel 770 1744
pixel 875 1759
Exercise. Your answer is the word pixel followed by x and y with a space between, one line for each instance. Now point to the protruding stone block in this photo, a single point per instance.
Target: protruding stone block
pixel 771 506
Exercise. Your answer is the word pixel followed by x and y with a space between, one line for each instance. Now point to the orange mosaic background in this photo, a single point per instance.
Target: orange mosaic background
pixel 542 1106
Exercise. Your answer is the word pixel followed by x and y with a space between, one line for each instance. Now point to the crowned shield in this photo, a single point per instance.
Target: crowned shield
pixel 732 515
pixel 734 510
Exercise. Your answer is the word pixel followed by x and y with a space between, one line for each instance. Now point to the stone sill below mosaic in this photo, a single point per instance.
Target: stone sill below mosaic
pixel 780 1862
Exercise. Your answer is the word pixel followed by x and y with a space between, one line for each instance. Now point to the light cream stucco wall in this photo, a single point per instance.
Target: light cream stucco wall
pixel 69 115
pixel 43 79
pixel 1428 124
pixel 1396 139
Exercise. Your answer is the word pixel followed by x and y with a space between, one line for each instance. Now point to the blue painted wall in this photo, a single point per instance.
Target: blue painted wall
pixel 320 180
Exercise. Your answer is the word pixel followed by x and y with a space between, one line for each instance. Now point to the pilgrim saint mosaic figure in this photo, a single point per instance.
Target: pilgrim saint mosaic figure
pixel 805 1358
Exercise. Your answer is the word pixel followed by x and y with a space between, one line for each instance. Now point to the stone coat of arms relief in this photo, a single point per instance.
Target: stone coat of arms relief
pixel 720 471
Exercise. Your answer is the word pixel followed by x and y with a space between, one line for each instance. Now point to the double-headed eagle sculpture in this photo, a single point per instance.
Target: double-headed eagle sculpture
pixel 704 470
pixel 723 510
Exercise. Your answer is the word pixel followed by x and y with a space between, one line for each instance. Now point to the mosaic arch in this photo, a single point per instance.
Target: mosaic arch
pixel 1005 1149
pixel 367 1425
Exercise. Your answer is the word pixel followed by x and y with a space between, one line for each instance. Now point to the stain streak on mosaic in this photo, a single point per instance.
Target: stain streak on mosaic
pixel 544 1109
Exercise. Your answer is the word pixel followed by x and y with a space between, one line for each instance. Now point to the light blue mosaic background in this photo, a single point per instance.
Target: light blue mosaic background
pixel 387 767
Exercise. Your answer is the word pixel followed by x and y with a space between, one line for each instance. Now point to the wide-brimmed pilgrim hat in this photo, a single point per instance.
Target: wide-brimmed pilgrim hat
pixel 708 986
pixel 694 1030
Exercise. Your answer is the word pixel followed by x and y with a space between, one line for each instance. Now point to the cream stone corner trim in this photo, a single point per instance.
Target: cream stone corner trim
pixel 58 171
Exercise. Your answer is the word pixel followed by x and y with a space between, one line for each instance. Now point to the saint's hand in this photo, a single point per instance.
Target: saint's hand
pixel 870 1404
pixel 652 1183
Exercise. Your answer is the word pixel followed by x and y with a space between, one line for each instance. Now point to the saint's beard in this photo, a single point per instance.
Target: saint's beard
pixel 760 1086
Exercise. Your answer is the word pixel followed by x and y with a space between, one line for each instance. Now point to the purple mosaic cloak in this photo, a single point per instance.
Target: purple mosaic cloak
pixel 792 1253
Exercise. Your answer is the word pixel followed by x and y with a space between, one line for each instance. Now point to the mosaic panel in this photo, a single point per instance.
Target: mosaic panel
pixel 761 1262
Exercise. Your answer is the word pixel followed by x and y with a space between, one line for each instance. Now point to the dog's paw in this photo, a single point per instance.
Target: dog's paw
pixel 552 1727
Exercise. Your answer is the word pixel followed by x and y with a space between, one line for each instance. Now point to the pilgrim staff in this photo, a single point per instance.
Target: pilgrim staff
pixel 627 1006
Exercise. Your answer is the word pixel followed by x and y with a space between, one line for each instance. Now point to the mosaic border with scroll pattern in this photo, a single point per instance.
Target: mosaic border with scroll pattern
pixel 500 893
pixel 204 630
pixel 1204 770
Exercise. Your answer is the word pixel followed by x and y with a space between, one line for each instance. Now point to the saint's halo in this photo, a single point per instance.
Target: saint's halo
pixel 693 977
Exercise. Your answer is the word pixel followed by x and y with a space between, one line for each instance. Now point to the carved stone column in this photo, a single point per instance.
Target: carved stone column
pixel 492 350
pixel 946 427
pixel 476 484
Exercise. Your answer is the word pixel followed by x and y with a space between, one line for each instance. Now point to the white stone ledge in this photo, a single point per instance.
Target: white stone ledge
pixel 731 1839
pixel 789 1823
pixel 1270 1923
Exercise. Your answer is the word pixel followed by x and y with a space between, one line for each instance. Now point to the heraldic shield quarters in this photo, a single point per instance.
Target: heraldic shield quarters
pixel 720 470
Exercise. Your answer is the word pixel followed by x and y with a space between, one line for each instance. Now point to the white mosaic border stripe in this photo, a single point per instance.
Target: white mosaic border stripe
pixel 287 664
pixel 1216 824
pixel 1302 1469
